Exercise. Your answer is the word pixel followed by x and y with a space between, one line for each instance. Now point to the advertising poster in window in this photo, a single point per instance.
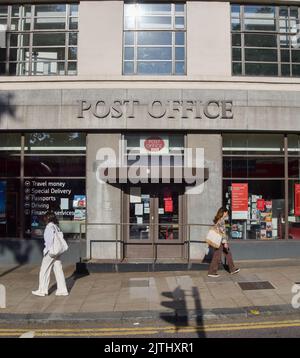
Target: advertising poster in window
pixel 65 197
pixel 239 201
pixel 297 199
pixel 2 202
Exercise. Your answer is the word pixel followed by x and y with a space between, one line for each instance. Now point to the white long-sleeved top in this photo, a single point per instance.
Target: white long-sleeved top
pixel 48 237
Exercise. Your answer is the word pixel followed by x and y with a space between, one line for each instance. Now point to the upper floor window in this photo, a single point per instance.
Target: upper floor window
pixel 265 40
pixel 154 39
pixel 40 39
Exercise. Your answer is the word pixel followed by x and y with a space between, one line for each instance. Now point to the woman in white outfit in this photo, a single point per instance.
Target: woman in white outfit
pixel 49 262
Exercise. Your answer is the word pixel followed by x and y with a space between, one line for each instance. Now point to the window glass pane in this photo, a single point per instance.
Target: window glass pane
pixel 128 68
pixel 51 68
pixel 61 166
pixel 235 24
pixel 72 142
pixel 129 22
pixel 2 54
pixel 296 70
pixel 18 54
pixel 72 68
pixel 72 54
pixel 2 68
pixel 73 23
pixel 154 68
pixel 73 38
pixel 48 53
pixel 50 39
pixel 284 41
pixel 260 55
pixel 236 68
pixel 20 25
pixel 285 70
pixel 261 69
pixel 294 168
pixel 50 10
pixel 10 211
pixel 154 9
pixel 236 54
pixel 236 40
pixel 235 10
pixel 179 53
pixel 179 68
pixel 157 22
pixel 260 40
pixel 285 55
pixel 3 10
pixel 259 11
pixel 265 143
pixel 179 22
pixel 179 7
pixel 129 38
pixel 129 53
pixel 295 56
pixel 294 144
pixel 154 38
pixel 179 38
pixel 154 53
pixel 19 40
pixel 74 10
pixel 260 24
pixel 49 23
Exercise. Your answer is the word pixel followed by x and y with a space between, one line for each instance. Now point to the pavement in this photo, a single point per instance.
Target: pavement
pixel 150 295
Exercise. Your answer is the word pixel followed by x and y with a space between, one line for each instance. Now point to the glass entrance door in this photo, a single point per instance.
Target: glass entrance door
pixel 154 218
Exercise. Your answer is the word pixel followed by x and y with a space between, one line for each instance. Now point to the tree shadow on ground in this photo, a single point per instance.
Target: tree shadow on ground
pixel 180 317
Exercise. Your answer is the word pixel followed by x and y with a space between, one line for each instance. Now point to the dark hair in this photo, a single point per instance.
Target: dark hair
pixel 220 214
pixel 51 218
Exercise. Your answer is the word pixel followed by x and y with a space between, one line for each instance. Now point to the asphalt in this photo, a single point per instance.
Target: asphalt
pixel 140 296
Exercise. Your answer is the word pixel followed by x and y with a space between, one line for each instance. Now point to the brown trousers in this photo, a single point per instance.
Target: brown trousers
pixel 217 256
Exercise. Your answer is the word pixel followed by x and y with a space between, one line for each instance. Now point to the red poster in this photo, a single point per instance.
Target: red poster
pixel 239 200
pixel 297 199
pixel 169 206
pixel 260 204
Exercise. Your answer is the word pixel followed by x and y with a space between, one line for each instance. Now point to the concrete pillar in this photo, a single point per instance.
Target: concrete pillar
pixel 103 202
pixel 208 38
pixel 100 38
pixel 201 208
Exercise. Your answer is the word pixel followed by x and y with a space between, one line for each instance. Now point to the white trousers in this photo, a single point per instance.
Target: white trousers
pixel 45 271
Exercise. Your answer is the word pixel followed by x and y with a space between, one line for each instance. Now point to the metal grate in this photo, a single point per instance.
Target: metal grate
pixel 260 285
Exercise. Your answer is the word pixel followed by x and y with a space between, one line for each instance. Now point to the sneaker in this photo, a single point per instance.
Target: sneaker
pixel 62 294
pixel 235 271
pixel 38 293
pixel 213 275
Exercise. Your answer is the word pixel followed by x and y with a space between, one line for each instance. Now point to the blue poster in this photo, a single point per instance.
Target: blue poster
pixel 2 202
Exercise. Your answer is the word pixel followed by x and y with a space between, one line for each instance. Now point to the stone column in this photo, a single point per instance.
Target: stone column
pixel 202 207
pixel 103 202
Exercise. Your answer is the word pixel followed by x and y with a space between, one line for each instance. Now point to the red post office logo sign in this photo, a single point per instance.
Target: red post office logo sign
pixel 154 144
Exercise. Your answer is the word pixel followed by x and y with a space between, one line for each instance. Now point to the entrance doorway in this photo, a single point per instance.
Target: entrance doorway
pixel 154 213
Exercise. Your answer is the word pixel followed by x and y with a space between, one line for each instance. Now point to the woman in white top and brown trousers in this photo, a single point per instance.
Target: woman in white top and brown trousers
pixel 49 262
pixel 219 226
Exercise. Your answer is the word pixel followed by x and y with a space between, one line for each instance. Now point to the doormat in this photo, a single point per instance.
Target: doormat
pixel 260 285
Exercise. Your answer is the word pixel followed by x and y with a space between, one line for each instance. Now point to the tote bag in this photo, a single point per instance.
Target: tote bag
pixel 59 243
pixel 214 238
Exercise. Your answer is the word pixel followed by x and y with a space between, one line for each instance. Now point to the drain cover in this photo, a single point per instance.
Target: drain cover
pixel 260 285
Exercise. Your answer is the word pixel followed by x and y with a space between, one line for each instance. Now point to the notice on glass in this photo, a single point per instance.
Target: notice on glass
pixel 135 195
pixel 138 209
pixel 146 210
pixel 239 204
pixel 139 220
pixel 64 204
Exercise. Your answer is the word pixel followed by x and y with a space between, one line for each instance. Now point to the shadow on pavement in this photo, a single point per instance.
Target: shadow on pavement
pixel 180 315
pixel 70 281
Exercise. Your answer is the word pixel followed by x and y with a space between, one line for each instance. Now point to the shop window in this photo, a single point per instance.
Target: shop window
pixel 257 211
pixel 9 208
